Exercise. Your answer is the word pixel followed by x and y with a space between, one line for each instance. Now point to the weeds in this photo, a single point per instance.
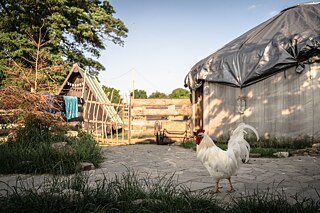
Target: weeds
pixel 189 144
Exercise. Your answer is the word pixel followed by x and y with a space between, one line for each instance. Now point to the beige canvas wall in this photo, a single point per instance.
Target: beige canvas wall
pixel 284 105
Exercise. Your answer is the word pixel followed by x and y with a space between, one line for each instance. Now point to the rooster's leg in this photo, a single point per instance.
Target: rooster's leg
pixel 217 188
pixel 231 187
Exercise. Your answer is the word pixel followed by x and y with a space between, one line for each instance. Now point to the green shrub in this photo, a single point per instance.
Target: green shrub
pixel 30 151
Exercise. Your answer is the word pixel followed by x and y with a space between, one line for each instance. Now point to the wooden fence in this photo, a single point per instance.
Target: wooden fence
pixel 139 118
pixel 173 114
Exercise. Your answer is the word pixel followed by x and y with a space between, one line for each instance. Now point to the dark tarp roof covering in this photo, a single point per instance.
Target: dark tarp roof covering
pixel 283 41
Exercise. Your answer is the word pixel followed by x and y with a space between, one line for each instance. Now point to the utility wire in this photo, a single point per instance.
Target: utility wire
pixel 148 81
pixel 144 78
pixel 120 76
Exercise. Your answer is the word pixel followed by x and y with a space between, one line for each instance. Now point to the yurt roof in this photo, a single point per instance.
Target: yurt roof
pixel 285 40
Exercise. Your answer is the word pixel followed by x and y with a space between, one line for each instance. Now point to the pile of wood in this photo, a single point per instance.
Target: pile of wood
pixel 16 105
pixel 172 114
pixel 12 98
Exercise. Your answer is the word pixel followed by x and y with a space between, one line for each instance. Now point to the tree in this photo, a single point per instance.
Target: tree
pixel 158 94
pixel 139 94
pixel 112 94
pixel 41 72
pixel 179 93
pixel 67 32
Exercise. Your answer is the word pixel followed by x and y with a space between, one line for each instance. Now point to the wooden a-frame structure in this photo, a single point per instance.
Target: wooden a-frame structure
pixel 97 113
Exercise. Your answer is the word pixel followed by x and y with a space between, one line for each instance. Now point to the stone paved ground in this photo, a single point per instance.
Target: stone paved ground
pixel 294 175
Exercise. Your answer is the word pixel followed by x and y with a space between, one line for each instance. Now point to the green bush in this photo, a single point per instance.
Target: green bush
pixel 30 151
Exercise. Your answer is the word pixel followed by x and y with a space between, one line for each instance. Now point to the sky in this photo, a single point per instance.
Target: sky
pixel 167 37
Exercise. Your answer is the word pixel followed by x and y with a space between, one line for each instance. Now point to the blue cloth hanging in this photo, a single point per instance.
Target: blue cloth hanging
pixel 71 105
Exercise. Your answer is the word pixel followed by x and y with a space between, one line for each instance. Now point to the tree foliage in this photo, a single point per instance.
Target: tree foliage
pixel 112 94
pixel 139 94
pixel 158 94
pixel 179 93
pixel 50 34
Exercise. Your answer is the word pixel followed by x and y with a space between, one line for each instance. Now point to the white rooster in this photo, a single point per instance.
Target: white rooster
pixel 223 164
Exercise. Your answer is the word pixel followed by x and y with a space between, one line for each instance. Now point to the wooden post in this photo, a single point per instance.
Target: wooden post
pixel 89 110
pixel 129 120
pixel 117 133
pixel 103 124
pixel 95 119
pixel 111 134
pixel 105 129
pixel 85 105
pixel 84 83
pixel 122 118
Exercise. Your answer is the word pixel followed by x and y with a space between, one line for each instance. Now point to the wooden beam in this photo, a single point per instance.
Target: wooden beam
pixel 159 102
pixel 139 111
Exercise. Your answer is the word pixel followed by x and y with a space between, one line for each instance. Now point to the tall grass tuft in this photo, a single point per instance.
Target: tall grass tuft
pixel 272 201
pixel 127 193
pixel 133 192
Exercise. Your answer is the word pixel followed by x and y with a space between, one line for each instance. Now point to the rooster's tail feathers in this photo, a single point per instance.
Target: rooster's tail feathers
pixel 238 143
pixel 240 130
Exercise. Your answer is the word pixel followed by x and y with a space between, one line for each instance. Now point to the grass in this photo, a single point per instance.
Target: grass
pixel 263 151
pixel 31 151
pixel 273 201
pixel 268 152
pixel 132 193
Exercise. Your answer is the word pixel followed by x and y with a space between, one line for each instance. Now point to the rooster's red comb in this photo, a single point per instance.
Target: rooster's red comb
pixel 200 131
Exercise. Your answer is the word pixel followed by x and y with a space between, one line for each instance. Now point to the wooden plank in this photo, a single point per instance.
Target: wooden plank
pixel 160 102
pixel 139 111
pixel 103 125
pixel 89 110
pixel 123 125
pixel 103 104
pixel 95 116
